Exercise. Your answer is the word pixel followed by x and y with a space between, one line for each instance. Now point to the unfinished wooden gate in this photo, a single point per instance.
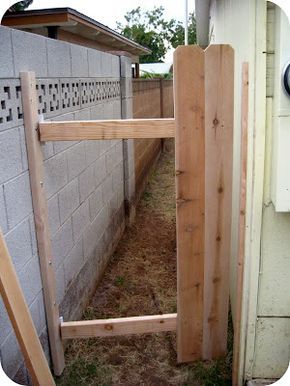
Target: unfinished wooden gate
pixel 203 125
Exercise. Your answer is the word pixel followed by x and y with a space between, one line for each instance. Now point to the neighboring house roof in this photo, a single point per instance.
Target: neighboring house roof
pixel 68 22
pixel 155 68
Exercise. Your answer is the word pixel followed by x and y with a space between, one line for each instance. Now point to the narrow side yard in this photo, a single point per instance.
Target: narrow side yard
pixel 141 280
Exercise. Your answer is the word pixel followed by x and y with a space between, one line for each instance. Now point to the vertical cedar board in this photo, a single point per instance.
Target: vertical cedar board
pixel 219 104
pixel 190 174
pixel 242 221
pixel 36 174
pixel 21 320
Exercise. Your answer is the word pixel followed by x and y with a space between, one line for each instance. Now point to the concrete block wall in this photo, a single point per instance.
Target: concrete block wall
pixel 86 182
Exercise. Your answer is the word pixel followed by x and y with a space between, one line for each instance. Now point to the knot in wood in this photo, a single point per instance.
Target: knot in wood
pixel 215 122
pixel 108 327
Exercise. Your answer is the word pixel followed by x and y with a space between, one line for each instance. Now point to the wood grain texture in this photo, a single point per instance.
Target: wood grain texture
pixel 107 129
pixel 219 97
pixel 118 326
pixel 242 221
pixel 35 162
pixel 21 320
pixel 190 205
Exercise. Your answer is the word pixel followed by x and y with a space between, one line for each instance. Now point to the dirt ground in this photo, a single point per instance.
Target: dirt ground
pixel 141 280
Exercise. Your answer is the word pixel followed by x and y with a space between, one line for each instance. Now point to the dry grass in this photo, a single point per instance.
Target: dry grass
pixel 141 279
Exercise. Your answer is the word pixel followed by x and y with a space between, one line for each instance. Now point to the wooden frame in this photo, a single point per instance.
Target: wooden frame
pixel 203 132
pixel 21 320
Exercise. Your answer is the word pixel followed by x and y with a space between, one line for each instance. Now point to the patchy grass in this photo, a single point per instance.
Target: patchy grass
pixel 141 280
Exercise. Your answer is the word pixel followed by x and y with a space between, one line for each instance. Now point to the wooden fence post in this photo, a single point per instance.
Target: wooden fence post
pixel 35 162
pixel 219 106
pixel 190 198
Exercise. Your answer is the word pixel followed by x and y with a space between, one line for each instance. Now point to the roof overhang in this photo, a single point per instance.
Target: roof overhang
pixel 74 22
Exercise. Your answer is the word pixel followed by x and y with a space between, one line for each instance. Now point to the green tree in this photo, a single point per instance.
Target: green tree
pixel 152 30
pixel 20 6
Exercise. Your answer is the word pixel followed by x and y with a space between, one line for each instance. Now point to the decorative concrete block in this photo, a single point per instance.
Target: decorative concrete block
pixel 10 154
pixel 92 151
pixel 53 214
pixel 73 263
pixel 58 58
pixel 6 56
pixel 68 199
pixel 87 182
pixel 3 216
pixel 18 199
pixel 96 202
pixel 56 173
pixel 62 243
pixel 11 114
pixel 29 51
pixel 94 59
pixel 76 160
pixel 80 219
pixel 19 244
pixel 79 61
pixel 30 280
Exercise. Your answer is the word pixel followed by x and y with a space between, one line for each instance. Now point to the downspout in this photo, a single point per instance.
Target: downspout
pixel 202 22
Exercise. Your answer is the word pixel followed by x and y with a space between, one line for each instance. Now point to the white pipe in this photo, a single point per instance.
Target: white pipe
pixel 186 23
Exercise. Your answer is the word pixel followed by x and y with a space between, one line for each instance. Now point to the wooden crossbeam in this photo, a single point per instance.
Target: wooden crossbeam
pixel 118 326
pixel 107 129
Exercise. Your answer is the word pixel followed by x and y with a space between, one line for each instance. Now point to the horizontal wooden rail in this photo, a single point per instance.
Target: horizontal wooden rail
pixel 118 326
pixel 107 129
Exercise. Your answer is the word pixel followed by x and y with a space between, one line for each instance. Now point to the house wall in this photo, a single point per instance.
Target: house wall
pixel 265 349
pixel 86 182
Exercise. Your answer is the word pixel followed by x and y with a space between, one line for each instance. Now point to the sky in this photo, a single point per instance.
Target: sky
pixel 108 12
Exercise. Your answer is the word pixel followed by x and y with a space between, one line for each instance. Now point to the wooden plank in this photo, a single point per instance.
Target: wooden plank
pixel 107 129
pixel 219 109
pixel 35 162
pixel 118 326
pixel 242 222
pixel 189 159
pixel 21 320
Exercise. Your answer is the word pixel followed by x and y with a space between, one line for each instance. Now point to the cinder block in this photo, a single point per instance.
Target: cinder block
pixel 37 315
pixel 60 283
pixel 76 160
pixel 23 149
pixel 127 108
pixel 12 357
pixel 62 243
pixel 69 199
pixel 58 58
pixel 104 146
pixel 42 317
pixel 83 115
pixel 119 152
pixel 106 64
pixel 73 263
pixel 56 173
pixel 96 202
pixel 80 219
pixel 94 231
pixel 108 110
pixel 126 67
pixel 92 151
pixel 107 188
pixel 100 170
pixel 110 159
pixel 94 58
pixel 59 146
pixel 6 326
pixel 87 182
pixel 33 235
pixel 30 280
pixel 29 51
pixel 19 244
pixel 47 150
pixel 115 66
pixel 10 154
pixel 53 214
pixel 3 216
pixel 118 177
pixel 117 109
pixel 6 56
pixel 113 204
pixel 97 111
pixel 79 61
pixel 126 88
pixel 18 199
